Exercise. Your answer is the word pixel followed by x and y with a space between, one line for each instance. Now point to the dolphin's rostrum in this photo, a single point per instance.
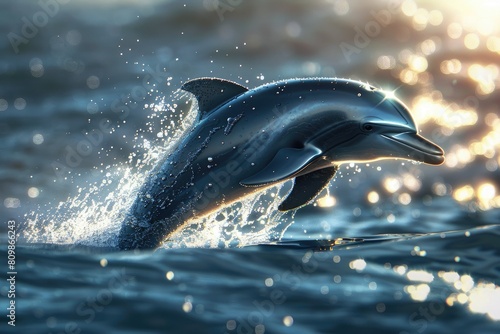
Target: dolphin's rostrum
pixel 246 140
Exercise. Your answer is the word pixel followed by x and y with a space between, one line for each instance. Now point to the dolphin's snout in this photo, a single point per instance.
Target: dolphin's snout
pixel 418 142
pixel 422 149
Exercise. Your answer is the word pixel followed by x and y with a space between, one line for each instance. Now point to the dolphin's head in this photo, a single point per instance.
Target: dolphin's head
pixel 381 127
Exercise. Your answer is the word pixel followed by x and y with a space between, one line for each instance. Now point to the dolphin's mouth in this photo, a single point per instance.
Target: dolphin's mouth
pixel 421 149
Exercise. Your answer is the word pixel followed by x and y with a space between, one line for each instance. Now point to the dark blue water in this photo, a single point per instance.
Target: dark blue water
pixel 89 102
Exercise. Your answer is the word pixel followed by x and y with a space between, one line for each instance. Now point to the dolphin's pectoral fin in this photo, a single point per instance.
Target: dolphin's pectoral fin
pixel 212 92
pixel 286 163
pixel 307 187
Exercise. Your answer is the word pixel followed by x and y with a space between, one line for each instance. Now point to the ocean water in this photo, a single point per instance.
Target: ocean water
pixel 89 102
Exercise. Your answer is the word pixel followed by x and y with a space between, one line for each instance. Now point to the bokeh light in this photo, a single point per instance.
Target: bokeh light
pixel 326 201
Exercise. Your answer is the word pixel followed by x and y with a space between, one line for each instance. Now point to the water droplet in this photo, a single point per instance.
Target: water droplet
pixel 92 108
pixel 20 103
pixel 36 67
pixel 38 139
pixel 33 192
pixel 93 82
pixel 231 121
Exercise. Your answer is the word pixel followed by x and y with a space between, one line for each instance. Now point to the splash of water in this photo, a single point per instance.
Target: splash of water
pixel 253 220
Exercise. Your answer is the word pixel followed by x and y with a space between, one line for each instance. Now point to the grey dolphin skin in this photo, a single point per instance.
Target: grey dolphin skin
pixel 247 140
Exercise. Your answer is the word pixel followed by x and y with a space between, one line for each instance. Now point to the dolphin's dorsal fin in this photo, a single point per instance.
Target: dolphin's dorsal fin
pixel 286 163
pixel 212 92
pixel 307 187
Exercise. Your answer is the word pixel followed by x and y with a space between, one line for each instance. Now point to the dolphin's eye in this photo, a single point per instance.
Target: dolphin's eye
pixel 368 127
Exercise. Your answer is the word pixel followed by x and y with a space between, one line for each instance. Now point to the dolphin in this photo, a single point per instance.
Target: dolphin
pixel 246 140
